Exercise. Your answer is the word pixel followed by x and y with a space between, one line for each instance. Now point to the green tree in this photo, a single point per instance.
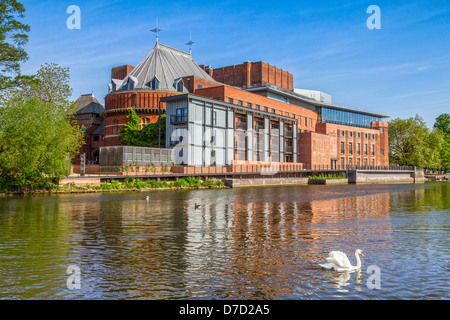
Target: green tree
pixel 130 131
pixel 412 143
pixel 13 36
pixel 443 124
pixel 37 138
pixel 51 85
pixel 149 134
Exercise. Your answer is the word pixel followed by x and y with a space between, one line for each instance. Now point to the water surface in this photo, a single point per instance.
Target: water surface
pixel 242 243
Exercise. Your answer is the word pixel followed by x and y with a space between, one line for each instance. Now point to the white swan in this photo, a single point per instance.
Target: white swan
pixel 338 261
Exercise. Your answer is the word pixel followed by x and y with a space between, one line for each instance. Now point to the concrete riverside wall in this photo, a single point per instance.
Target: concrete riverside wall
pixel 381 177
pixel 328 181
pixel 264 182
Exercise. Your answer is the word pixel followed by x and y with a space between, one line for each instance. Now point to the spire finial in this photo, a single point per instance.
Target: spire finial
pixel 156 30
pixel 190 44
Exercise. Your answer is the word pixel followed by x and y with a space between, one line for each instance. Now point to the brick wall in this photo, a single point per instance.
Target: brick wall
pixel 121 72
pixel 251 74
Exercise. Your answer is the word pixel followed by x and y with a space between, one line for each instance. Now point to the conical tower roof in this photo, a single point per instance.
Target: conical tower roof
pixel 167 65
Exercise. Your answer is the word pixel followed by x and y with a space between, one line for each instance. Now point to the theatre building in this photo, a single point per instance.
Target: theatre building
pixel 245 113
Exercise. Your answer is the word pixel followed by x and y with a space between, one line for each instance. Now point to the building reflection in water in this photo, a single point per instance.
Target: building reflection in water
pixel 227 247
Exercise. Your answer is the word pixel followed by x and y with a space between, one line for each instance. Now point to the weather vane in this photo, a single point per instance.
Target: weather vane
pixel 156 30
pixel 190 43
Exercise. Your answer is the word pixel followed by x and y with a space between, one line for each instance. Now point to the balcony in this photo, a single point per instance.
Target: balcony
pixel 177 119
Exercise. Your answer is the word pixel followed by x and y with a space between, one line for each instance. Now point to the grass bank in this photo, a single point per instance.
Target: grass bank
pixel 129 184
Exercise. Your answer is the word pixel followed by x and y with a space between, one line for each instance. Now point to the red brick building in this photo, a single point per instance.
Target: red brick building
pixel 88 116
pixel 325 134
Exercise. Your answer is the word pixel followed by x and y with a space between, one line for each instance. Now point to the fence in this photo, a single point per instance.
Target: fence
pixel 135 156
pixel 151 169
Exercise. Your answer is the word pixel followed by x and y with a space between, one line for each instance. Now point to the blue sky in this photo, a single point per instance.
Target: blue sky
pixel 400 70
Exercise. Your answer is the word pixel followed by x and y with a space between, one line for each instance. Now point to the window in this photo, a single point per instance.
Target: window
pixel 350 162
pixel 373 150
pixel 342 148
pixel 373 162
pixel 350 134
pixel 381 130
pixel 265 109
pixel 358 162
pixel 199 86
pixel 365 149
pixel 230 100
pixel 273 110
pixel 115 126
pixel 347 118
pixel 180 86
pixel 358 134
pixel 342 163
pixel 306 121
pixel 382 152
pixel 358 149
pixel 130 84
pixel 214 117
pixel 342 133
pixel 258 107
pixel 350 148
pixel 249 105
pixel 154 84
pixel 372 136
pixel 96 138
pixel 181 115
pixel 239 102
pixel 365 162
pixel 365 135
pixel 310 122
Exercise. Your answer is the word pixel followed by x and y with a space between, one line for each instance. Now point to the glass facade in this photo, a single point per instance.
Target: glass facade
pixel 347 118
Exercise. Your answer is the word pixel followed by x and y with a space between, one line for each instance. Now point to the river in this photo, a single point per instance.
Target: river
pixel 241 243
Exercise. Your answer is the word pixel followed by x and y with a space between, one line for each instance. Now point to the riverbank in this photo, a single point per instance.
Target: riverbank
pixel 129 185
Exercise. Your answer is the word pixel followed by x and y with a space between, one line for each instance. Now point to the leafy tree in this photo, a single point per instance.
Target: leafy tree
pixel 149 134
pixel 13 36
pixel 147 137
pixel 443 124
pixel 37 138
pixel 412 143
pixel 130 132
pixel 51 85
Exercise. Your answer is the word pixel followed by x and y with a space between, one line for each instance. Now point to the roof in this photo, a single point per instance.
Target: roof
pixel 300 97
pixel 85 99
pixel 100 130
pixel 93 107
pixel 167 64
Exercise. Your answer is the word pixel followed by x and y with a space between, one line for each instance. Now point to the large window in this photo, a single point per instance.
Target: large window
pixel 347 118
pixel 181 115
